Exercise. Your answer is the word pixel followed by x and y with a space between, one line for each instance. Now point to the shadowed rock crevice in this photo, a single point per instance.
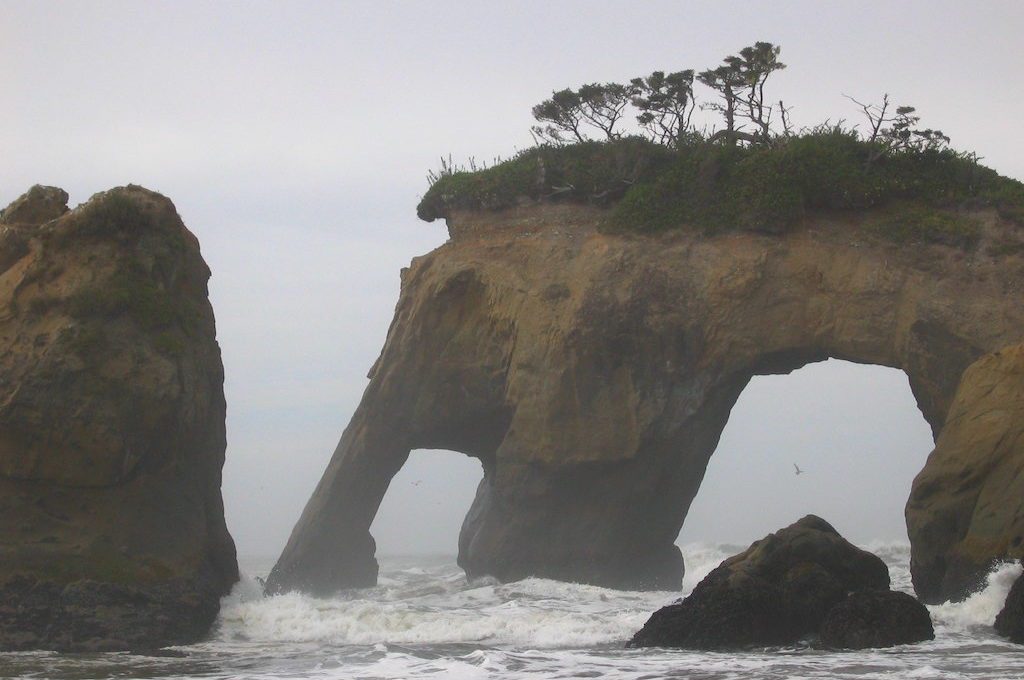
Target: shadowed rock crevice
pixel 593 374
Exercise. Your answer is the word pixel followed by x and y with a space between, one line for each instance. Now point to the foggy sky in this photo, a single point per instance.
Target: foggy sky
pixel 294 140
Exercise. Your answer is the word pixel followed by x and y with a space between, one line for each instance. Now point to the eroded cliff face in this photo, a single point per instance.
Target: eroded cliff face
pixel 112 530
pixel 592 374
pixel 966 507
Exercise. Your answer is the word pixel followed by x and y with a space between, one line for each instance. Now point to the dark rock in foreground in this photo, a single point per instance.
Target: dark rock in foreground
pixel 876 618
pixel 97 616
pixel 1010 621
pixel 777 591
pixel 112 532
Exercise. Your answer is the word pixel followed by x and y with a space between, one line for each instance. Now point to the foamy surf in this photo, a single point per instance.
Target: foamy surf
pixel 980 609
pixel 534 612
pixel 425 620
pixel 437 605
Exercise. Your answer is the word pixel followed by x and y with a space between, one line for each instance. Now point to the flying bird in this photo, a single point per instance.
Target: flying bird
pixel 798 470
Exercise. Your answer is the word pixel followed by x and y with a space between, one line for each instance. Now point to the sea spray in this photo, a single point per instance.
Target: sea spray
pixel 701 558
pixel 436 606
pixel 425 620
pixel 981 608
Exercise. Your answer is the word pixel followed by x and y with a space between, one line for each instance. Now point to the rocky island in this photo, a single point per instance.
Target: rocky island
pixel 588 350
pixel 112 532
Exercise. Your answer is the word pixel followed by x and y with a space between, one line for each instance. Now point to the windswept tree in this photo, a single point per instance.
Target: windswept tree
pixel 756 64
pixel 893 131
pixel 666 104
pixel 602 105
pixel 561 117
pixel 598 105
pixel 903 135
pixel 728 82
pixel 740 82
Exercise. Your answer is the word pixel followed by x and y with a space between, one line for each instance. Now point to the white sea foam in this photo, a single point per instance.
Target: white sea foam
pixel 425 620
pixel 533 612
pixel 436 605
pixel 700 558
pixel 981 608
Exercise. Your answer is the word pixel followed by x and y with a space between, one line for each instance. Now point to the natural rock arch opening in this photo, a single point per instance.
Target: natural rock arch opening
pixel 854 430
pixel 426 504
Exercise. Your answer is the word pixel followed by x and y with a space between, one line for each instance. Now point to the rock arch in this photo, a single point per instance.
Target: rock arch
pixel 853 430
pixel 425 504
pixel 592 375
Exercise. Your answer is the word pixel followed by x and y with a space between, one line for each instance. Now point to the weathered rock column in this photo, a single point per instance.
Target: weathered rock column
pixel 332 546
pixel 112 532
pixel 966 507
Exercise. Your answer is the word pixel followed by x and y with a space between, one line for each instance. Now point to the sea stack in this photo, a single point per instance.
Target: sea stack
pixel 112 532
pixel 592 372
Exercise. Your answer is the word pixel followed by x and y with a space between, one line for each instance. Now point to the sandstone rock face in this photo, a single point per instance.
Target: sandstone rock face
pixel 876 618
pixel 777 591
pixel 967 504
pixel 592 374
pixel 112 438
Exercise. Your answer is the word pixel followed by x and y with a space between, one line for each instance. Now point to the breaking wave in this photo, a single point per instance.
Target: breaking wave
pixel 433 603
pixel 980 609
pixel 425 620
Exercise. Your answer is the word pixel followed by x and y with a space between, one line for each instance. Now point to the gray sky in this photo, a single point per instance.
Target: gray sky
pixel 294 139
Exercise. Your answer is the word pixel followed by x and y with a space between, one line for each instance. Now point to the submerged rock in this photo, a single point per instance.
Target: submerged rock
pixel 775 592
pixel 876 618
pixel 112 532
pixel 1010 621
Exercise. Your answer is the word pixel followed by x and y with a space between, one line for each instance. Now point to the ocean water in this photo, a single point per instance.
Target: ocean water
pixel 424 620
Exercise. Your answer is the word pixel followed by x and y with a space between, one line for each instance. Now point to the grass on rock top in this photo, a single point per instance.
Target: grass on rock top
pixel 715 188
pixel 134 288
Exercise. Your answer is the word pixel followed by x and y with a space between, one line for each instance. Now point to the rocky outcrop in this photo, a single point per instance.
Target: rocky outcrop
pixel 967 504
pixel 1010 621
pixel 37 205
pixel 876 618
pixel 592 374
pixel 112 440
pixel 776 592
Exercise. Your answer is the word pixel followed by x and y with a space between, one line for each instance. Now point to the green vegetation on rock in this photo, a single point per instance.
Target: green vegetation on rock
pixel 164 315
pixel 587 172
pixel 113 213
pixel 767 180
pixel 917 224
pixel 715 187
pixel 137 287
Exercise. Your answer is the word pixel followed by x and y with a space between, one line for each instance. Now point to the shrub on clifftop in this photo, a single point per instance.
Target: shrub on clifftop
pixel 716 187
pixel 588 172
pixel 755 173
